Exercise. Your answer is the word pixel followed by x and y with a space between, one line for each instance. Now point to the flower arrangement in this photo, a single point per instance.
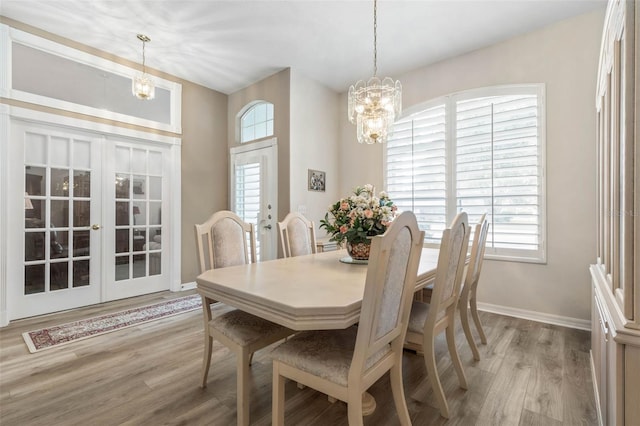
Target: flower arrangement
pixel 359 217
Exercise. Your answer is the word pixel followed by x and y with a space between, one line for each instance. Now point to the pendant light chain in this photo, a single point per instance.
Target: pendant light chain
pixel 144 43
pixel 375 38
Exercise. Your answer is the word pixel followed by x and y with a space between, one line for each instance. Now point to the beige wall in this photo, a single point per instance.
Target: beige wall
pixel 204 165
pixel 564 56
pixel 314 130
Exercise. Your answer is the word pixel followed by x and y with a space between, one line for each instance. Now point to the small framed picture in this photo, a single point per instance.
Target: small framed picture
pixel 317 180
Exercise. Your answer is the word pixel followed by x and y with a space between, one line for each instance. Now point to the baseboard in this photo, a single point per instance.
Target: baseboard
pixel 188 286
pixel 579 324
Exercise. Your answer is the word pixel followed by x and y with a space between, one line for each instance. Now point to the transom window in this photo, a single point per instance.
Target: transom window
pixel 256 122
pixel 480 151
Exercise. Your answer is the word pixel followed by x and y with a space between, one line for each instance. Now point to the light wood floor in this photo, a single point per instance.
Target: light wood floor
pixel 530 374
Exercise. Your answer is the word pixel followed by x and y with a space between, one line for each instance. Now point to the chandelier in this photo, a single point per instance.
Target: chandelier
pixel 374 105
pixel 142 85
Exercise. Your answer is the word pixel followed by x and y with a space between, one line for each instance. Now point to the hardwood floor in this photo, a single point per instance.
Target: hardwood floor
pixel 530 374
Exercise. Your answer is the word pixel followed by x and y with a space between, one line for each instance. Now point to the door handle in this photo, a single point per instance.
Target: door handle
pixel 95 226
pixel 267 227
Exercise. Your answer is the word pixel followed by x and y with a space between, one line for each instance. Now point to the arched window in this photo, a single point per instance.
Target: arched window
pixel 256 122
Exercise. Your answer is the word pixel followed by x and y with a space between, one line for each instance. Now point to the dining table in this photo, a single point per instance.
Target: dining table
pixel 320 291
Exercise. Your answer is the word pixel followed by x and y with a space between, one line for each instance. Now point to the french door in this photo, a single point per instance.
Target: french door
pixel 253 192
pixel 61 243
pixel 88 215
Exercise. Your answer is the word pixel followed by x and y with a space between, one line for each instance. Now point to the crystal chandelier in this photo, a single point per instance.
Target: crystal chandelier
pixel 374 106
pixel 142 85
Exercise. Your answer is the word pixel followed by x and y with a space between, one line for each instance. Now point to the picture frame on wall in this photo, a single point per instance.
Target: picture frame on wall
pixel 317 180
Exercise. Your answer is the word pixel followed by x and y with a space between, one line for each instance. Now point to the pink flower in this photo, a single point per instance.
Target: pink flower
pixel 344 229
pixel 368 214
pixel 344 206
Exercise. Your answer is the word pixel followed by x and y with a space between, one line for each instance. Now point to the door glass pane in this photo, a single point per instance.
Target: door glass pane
pixel 59 151
pixel 139 161
pixel 35 180
pixel 139 187
pixel 80 273
pixel 122 240
pixel 60 182
pixel 122 213
pixel 81 213
pixel 35 148
pixel 122 185
pixel 82 184
pixel 59 276
pixel 122 268
pixel 247 197
pixel 82 154
pixel 155 188
pixel 34 246
pixel 155 213
pixel 59 213
pixel 34 278
pixel 139 265
pixel 59 241
pixel 139 213
pixel 81 241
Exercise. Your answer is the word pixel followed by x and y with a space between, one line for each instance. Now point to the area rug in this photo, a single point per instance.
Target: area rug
pixel 47 338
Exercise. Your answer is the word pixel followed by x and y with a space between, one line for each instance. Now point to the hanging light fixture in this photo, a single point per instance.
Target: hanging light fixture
pixel 142 85
pixel 374 106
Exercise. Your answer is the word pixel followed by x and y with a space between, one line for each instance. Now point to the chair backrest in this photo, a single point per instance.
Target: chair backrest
pixel 297 235
pixel 477 251
pixel 448 281
pixel 389 288
pixel 225 240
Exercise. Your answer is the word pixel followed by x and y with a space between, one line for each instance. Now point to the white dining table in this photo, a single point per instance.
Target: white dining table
pixel 312 292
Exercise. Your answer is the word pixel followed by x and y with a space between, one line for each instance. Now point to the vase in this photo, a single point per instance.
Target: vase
pixel 359 251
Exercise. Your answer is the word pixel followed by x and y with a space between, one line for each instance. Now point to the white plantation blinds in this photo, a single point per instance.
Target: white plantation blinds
pixel 479 152
pixel 416 169
pixel 247 195
pixel 497 168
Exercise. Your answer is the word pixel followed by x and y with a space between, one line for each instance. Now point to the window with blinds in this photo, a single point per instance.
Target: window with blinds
pixel 247 195
pixel 480 152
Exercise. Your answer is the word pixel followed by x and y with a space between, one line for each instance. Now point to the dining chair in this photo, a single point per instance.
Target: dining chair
pixel 297 235
pixel 468 294
pixel 428 320
pixel 226 240
pixel 467 300
pixel 345 363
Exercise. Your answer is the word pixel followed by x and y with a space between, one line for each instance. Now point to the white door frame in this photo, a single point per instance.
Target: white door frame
pixel 267 222
pixel 9 197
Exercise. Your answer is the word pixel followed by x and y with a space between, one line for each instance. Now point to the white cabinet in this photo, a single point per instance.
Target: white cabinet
pixel 615 277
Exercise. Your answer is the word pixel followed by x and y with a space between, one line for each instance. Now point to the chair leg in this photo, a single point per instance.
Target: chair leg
pixel 464 319
pixel 277 398
pixel 455 358
pixel 432 372
pixel 206 358
pixel 397 389
pixel 476 319
pixel 354 408
pixel 242 387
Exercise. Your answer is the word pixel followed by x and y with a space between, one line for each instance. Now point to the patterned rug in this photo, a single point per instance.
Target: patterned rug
pixel 47 338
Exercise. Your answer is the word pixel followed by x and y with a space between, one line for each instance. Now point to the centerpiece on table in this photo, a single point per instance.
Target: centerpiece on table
pixel 356 219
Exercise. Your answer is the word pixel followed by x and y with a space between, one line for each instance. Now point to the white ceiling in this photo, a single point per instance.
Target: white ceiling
pixel 227 45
